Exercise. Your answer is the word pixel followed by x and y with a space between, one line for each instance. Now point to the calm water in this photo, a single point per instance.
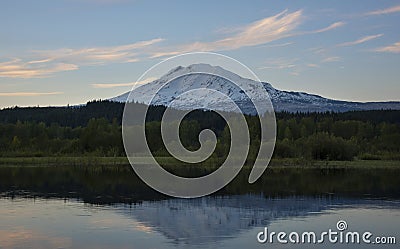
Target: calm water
pixel 107 208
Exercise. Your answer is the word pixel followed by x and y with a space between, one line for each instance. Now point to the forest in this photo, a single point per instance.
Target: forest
pixel 94 129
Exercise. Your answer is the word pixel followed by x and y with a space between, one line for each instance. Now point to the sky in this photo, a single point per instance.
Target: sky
pixel 61 52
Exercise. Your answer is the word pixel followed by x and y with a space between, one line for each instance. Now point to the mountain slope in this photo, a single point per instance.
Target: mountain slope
pixel 187 79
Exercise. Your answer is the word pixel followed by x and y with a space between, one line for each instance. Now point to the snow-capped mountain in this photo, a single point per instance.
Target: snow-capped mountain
pixel 209 219
pixel 179 86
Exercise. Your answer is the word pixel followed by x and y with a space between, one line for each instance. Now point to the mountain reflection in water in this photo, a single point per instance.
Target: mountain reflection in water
pixel 109 207
pixel 208 219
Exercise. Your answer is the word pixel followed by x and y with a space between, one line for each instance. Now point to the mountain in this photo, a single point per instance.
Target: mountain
pixel 209 219
pixel 184 79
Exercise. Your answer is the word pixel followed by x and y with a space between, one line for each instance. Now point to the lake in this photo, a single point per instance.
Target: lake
pixel 109 207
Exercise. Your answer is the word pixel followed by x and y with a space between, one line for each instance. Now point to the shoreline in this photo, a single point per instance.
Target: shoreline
pixel 171 162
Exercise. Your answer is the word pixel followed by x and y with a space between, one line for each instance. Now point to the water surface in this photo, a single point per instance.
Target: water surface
pixel 64 207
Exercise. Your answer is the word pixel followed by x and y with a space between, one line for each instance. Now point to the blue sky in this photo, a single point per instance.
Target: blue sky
pixel 69 52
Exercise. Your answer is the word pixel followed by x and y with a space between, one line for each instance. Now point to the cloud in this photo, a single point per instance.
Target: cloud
pixel 40 61
pixel 278 45
pixel 389 10
pixel 359 41
pixel 21 237
pixel 330 27
pixel 331 59
pixel 263 31
pixel 32 69
pixel 131 84
pixel 280 63
pixel 394 48
pixel 318 50
pixel 312 65
pixel 260 32
pixel 99 55
pixel 44 63
pixel 111 85
pixel 28 94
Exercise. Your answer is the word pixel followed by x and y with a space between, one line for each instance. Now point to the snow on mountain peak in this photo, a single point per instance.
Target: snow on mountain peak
pixel 178 86
pixel 200 68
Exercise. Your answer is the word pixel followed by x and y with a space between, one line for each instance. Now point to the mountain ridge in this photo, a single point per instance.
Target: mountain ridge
pixel 185 79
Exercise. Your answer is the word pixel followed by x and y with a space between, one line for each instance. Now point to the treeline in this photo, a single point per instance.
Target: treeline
pixel 74 116
pixel 337 140
pixel 71 116
pixel 95 129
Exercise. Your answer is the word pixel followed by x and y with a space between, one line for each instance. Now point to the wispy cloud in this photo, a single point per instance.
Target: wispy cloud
pixel 40 61
pixel 312 65
pixel 394 48
pixel 112 85
pixel 44 63
pixel 278 45
pixel 28 94
pixel 295 73
pixel 359 41
pixel 331 59
pixel 280 63
pixel 318 50
pixel 131 84
pixel 99 55
pixel 389 10
pixel 260 32
pixel 19 237
pixel 263 31
pixel 32 69
pixel 330 27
